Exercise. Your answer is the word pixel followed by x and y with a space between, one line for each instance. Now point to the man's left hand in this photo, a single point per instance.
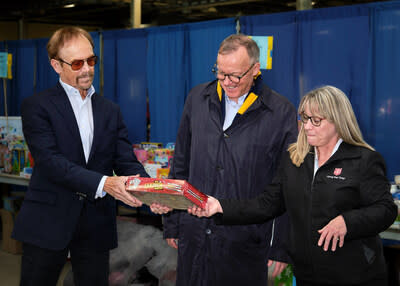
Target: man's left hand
pixel 278 268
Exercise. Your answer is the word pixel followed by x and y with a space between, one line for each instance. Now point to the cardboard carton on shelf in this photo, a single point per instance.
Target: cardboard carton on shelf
pixel 12 203
pixel 9 244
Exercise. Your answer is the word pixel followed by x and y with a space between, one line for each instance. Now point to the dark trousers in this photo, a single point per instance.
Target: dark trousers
pixel 89 266
pixel 43 266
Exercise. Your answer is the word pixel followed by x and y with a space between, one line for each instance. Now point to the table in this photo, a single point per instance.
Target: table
pixel 13 179
pixel 392 233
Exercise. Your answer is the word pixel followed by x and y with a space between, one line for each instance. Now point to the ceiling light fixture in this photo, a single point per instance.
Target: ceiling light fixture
pixel 69 6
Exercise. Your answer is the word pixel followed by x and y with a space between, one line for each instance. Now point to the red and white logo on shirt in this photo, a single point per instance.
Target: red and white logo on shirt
pixel 337 171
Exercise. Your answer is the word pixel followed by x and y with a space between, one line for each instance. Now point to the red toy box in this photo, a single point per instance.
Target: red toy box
pixel 176 194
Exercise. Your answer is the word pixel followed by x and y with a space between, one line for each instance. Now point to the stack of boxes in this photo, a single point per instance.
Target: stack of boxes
pixel 11 206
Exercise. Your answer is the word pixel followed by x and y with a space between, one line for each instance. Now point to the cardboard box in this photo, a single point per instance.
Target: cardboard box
pixel 12 203
pixel 177 194
pixel 9 244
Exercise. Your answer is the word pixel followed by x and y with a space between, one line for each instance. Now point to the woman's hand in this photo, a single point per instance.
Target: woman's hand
pixel 335 230
pixel 212 207
pixel 159 208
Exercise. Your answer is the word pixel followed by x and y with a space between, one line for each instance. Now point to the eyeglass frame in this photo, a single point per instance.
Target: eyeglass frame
pixel 311 118
pixel 84 60
pixel 214 70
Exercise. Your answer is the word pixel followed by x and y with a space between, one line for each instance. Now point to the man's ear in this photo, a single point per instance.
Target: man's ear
pixel 256 69
pixel 56 65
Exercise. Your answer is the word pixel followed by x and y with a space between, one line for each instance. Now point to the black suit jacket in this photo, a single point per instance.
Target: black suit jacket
pixel 62 181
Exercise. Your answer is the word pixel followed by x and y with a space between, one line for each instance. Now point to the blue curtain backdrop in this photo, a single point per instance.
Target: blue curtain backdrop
pixel 384 73
pixel 179 57
pixel 2 112
pixel 283 77
pixel 46 77
pixel 204 41
pixel 96 50
pixel 125 77
pixel 23 70
pixel 334 51
pixel 167 57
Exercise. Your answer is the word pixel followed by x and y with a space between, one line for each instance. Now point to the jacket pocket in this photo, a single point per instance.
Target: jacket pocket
pixel 41 197
pixel 372 249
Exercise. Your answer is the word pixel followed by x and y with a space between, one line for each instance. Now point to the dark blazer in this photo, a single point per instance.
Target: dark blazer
pixel 351 183
pixel 62 181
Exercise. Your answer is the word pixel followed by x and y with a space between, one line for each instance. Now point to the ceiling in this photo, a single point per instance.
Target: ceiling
pixel 115 14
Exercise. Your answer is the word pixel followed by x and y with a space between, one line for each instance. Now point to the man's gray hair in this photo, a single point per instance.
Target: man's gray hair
pixel 234 42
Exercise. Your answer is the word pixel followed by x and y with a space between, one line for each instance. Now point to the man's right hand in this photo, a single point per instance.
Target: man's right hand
pixel 173 242
pixel 115 186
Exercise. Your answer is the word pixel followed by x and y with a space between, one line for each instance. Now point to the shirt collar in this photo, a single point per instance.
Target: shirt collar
pixel 240 100
pixel 70 89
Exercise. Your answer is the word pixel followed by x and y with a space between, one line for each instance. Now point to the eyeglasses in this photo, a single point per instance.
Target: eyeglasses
pixel 233 78
pixel 78 64
pixel 316 121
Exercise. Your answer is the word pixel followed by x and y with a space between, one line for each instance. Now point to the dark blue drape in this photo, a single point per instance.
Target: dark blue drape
pixel 204 41
pixel 125 77
pixel 283 77
pixel 46 77
pixel 109 64
pixel 334 51
pixel 2 112
pixel 167 55
pixel 179 57
pixel 96 50
pixel 383 83
pixel 23 70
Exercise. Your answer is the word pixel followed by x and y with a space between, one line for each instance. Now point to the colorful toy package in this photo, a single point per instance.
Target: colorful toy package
pixel 176 194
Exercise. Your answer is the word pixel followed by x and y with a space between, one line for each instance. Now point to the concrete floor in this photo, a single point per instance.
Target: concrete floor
pixel 10 267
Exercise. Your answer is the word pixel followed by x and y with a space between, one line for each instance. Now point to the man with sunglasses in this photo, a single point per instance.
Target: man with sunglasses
pixel 232 133
pixel 77 139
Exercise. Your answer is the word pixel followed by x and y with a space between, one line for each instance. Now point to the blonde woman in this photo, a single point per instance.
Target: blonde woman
pixel 334 188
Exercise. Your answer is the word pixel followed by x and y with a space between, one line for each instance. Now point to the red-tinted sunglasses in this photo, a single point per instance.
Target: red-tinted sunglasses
pixel 78 64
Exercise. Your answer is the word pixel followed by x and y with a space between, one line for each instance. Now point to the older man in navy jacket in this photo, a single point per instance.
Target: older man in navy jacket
pixel 77 139
pixel 232 133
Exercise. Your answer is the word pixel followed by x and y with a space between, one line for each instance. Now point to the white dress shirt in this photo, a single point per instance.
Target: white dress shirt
pixel 231 109
pixel 84 117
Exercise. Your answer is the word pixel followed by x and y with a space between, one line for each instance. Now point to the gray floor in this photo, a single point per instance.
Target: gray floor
pixel 10 265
